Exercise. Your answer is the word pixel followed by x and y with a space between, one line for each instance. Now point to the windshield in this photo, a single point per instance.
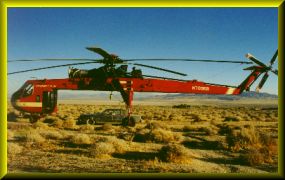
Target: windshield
pixel 28 90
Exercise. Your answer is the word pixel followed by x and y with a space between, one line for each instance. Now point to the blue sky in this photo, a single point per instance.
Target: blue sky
pixel 197 33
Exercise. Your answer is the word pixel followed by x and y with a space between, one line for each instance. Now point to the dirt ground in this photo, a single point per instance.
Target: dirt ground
pixel 215 138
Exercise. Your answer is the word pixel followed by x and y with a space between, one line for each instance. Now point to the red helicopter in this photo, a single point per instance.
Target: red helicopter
pixel 39 97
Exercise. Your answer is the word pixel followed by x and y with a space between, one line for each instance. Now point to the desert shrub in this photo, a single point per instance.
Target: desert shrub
pixel 209 130
pixel 173 153
pixel 155 125
pixel 175 117
pixel 156 135
pixel 119 145
pixel 87 128
pixel 50 119
pixel 126 136
pixel 255 147
pixel 252 157
pixel 33 136
pixel 81 139
pixel 40 125
pixel 181 106
pixel 58 123
pixel 69 124
pixel 188 128
pixel 141 135
pixel 242 139
pixel 107 127
pixel 197 118
pixel 52 135
pixel 10 135
pixel 14 149
pixel 162 136
pixel 102 149
pixel 232 118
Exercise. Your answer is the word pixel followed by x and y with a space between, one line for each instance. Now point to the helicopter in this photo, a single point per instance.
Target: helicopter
pixel 39 97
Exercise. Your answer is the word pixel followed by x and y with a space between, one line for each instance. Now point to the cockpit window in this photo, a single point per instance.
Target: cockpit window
pixel 28 90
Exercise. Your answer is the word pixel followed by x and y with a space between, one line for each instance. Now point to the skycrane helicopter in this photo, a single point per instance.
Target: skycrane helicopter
pixel 39 97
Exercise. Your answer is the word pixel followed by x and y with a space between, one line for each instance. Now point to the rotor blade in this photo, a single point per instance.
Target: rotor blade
pixel 273 58
pixel 250 68
pixel 163 78
pixel 161 69
pixel 100 51
pixel 252 58
pixel 191 60
pixel 56 59
pixel 49 67
pixel 263 80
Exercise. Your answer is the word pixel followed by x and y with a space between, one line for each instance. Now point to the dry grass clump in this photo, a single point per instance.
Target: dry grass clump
pixel 69 124
pixel 107 127
pixel 156 135
pixel 256 148
pixel 10 135
pixel 58 123
pixel 173 153
pixel 14 149
pixel 119 145
pixel 102 150
pixel 52 135
pixel 40 125
pixel 86 128
pixel 33 136
pixel 240 139
pixel 197 118
pixel 50 119
pixel 188 128
pixel 155 125
pixel 175 117
pixel 163 136
pixel 209 130
pixel 232 118
pixel 81 139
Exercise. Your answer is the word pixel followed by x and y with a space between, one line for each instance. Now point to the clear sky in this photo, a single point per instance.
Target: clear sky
pixel 197 33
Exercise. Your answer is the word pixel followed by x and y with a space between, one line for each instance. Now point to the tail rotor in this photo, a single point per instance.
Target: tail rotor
pixel 264 68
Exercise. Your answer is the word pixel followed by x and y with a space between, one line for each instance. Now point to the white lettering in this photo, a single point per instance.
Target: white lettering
pixel 200 88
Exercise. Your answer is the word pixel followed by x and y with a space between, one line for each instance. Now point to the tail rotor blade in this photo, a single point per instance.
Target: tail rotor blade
pixel 273 59
pixel 252 58
pixel 263 80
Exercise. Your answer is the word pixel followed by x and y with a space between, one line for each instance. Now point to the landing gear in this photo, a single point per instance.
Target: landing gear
pixel 34 118
pixel 129 122
pixel 90 121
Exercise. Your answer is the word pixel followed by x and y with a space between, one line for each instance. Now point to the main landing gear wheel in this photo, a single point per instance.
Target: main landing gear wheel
pixel 129 122
pixel 90 121
pixel 34 118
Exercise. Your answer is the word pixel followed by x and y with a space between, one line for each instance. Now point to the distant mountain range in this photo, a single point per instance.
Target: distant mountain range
pixel 244 95
pixel 93 95
pixel 146 96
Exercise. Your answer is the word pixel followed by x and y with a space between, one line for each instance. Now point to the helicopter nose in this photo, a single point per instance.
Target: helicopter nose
pixel 15 97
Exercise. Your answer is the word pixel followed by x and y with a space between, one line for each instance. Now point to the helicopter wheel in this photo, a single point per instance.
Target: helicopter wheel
pixel 125 121
pixel 90 121
pixel 33 118
pixel 129 122
pixel 132 122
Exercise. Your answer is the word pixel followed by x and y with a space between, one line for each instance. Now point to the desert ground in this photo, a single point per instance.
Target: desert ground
pixel 209 137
